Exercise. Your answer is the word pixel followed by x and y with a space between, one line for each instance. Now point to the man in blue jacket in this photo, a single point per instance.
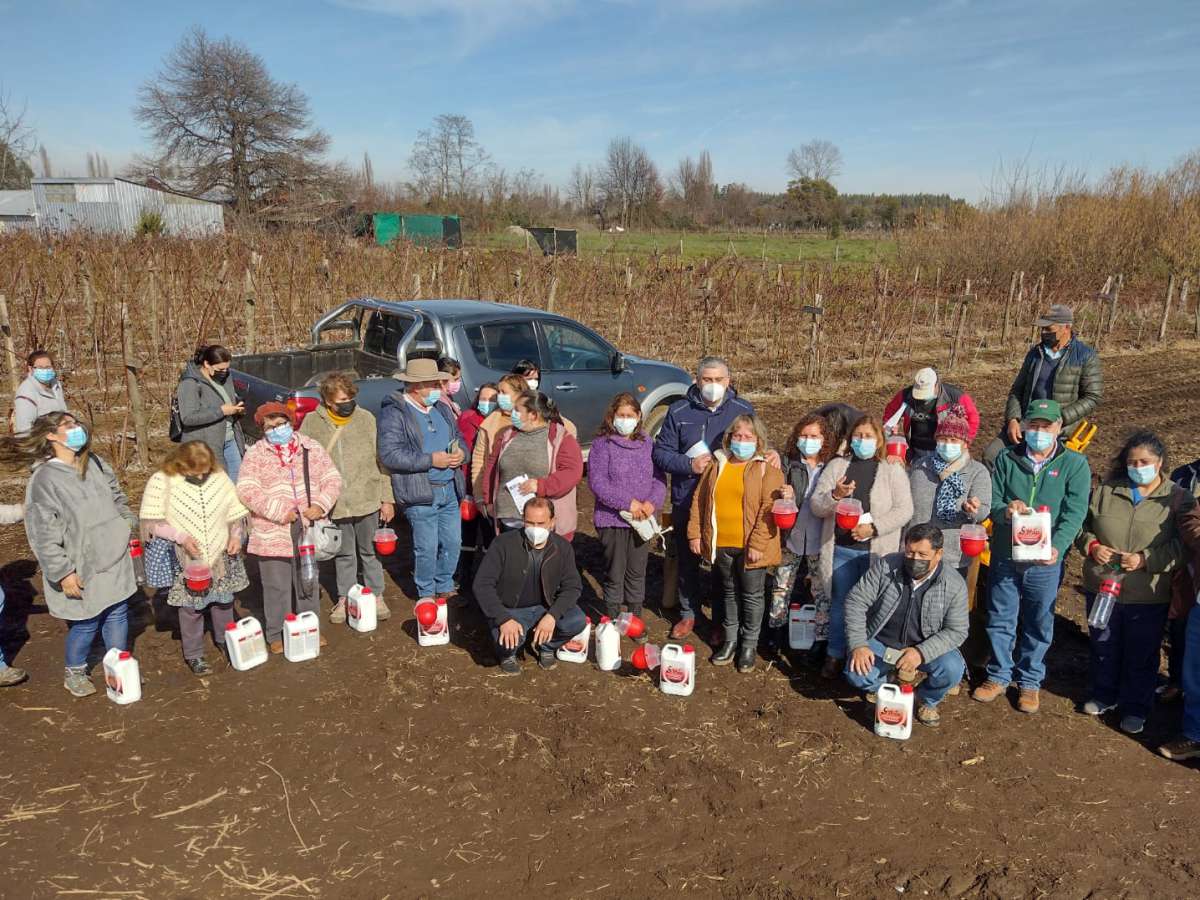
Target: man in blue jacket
pixel 693 429
pixel 420 445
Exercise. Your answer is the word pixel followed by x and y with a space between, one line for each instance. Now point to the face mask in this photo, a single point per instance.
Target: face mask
pixel 536 535
pixel 1039 441
pixel 864 448
pixel 1051 354
pixel 1142 475
pixel 345 410
pixel 432 397
pixel 77 438
pixel 197 479
pixel 44 376
pixel 743 450
pixel 485 406
pixel 453 387
pixel 220 376
pixel 713 392
pixel 505 402
pixel 533 383
pixel 625 425
pixel 280 434
pixel 515 418
pixel 917 568
pixel 809 446
pixel 949 452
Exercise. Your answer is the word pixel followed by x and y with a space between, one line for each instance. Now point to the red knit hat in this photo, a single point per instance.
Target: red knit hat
pixel 273 408
pixel 954 425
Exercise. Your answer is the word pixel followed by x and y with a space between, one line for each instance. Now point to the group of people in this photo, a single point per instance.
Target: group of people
pixel 499 480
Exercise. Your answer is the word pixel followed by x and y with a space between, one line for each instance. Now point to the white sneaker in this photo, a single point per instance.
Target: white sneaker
pixel 77 683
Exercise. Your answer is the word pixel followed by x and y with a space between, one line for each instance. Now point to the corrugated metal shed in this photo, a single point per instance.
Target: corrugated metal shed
pixel 17 211
pixel 114 206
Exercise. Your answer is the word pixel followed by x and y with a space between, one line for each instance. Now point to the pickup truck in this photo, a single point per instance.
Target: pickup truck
pixel 580 370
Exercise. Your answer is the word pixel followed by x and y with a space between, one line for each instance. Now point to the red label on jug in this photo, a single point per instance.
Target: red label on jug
pixel 574 646
pixel 675 674
pixel 1029 535
pixel 890 715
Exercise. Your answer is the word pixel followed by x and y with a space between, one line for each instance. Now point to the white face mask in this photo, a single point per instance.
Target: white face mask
pixel 536 535
pixel 713 392
pixel 533 383
pixel 625 424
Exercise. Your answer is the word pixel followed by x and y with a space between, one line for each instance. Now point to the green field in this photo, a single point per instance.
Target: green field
pixel 779 248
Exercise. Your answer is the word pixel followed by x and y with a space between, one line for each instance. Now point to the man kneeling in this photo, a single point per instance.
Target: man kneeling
pixel 909 612
pixel 529 581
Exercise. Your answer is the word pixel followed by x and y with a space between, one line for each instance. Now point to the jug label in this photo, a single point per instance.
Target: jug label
pixel 675 674
pixel 891 715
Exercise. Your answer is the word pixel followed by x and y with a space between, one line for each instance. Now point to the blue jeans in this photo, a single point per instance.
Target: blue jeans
pixel 437 541
pixel 943 672
pixel 849 565
pixel 572 622
pixel 113 623
pixel 233 460
pixel 1191 678
pixel 1024 591
pixel 1125 656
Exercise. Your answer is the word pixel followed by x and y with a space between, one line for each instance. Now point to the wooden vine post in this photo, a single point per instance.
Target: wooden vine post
pixel 816 310
pixel 960 332
pixel 10 353
pixel 1166 314
pixel 133 365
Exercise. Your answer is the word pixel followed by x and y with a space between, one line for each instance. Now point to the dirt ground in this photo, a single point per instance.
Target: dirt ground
pixel 386 770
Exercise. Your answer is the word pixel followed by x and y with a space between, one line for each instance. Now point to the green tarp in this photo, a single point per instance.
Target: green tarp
pixel 420 229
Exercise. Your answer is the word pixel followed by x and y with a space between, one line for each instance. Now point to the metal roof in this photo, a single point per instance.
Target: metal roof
pixel 17 203
pixel 148 187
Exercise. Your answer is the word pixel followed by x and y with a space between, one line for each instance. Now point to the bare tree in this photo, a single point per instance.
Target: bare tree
pixel 44 156
pixel 17 143
pixel 97 166
pixel 368 172
pixel 582 187
pixel 692 183
pixel 447 160
pixel 629 179
pixel 819 160
pixel 218 118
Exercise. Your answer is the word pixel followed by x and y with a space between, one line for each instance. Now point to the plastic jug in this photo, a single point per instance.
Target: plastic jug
pixel 246 644
pixel 433 622
pixel 894 711
pixel 1031 536
pixel 139 561
pixel 122 677
pixel 197 576
pixel 897 445
pixel 385 541
pixel 848 512
pixel 301 636
pixel 576 649
pixel 630 625
pixel 360 609
pixel 646 657
pixel 784 512
pixel 608 645
pixel 972 539
pixel 308 558
pixel 677 670
pixel 1102 605
pixel 802 626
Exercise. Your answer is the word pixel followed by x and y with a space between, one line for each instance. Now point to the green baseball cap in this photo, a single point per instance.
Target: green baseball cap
pixel 1047 410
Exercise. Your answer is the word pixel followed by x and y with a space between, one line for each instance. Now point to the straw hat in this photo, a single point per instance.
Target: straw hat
pixel 417 370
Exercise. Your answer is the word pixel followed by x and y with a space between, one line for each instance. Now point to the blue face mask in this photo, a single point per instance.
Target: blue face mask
pixel 280 434
pixel 1141 475
pixel 505 402
pixel 1039 441
pixel 77 438
pixel 485 406
pixel 743 450
pixel 809 446
pixel 515 418
pixel 864 448
pixel 1050 352
pixel 949 452
pixel 44 376
pixel 433 397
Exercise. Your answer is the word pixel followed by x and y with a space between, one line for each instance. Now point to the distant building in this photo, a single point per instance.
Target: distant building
pixel 17 211
pixel 115 206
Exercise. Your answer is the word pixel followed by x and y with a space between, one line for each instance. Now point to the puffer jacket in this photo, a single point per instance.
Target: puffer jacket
pixel 1078 383
pixel 402 451
pixel 761 483
pixel 200 403
pixel 949 396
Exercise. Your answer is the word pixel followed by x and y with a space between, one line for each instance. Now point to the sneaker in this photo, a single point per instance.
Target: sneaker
pixel 682 629
pixel 1096 708
pixel 200 667
pixel 10 676
pixel 988 691
pixel 1133 724
pixel 1180 749
pixel 381 609
pixel 275 646
pixel 928 715
pixel 546 659
pixel 510 666
pixel 831 669
pixel 1169 693
pixel 870 698
pixel 1029 701
pixel 955 691
pixel 338 614
pixel 77 683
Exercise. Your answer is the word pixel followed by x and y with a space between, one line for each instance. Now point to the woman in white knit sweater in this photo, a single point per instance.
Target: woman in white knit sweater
pixel 191 503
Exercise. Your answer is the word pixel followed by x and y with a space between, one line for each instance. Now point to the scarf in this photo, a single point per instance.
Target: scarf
pixel 286 452
pixel 947 500
pixel 338 421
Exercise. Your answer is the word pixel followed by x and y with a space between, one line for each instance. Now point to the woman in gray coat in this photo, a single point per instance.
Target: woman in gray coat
pixel 78 523
pixel 209 408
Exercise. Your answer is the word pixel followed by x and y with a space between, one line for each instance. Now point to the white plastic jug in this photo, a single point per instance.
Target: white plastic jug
pixel 802 626
pixel 576 649
pixel 301 636
pixel 438 631
pixel 677 670
pixel 1031 536
pixel 360 609
pixel 894 711
pixel 122 677
pixel 608 645
pixel 246 644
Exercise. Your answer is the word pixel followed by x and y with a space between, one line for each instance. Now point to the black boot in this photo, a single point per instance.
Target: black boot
pixel 723 655
pixel 745 658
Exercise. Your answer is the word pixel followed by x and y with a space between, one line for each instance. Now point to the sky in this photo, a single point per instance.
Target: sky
pixel 934 96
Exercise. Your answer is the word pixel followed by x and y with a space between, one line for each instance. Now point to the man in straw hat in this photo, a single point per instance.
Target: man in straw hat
pixel 421 447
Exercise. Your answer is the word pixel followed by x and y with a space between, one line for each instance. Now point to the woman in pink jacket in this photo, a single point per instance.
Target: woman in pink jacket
pixel 282 503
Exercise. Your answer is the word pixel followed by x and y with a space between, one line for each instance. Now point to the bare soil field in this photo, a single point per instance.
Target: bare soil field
pixel 383 769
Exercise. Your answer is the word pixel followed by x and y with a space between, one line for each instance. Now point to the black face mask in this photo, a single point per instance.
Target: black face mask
pixel 917 568
pixel 197 479
pixel 220 376
pixel 345 409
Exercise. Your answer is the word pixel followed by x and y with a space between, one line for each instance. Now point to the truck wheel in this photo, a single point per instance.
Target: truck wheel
pixel 654 421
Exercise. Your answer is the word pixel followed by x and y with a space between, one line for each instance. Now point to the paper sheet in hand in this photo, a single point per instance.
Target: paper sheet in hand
pixel 698 449
pixel 518 498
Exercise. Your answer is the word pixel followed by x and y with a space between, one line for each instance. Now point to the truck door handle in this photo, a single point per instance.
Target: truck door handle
pixel 566 386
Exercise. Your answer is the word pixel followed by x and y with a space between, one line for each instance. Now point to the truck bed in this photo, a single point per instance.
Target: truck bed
pixel 295 369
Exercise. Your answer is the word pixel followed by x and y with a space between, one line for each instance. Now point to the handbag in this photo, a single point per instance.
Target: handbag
pixel 327 536
pixel 161 563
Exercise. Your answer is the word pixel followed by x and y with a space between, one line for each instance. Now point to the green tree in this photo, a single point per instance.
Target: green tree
pixel 15 173
pixel 813 203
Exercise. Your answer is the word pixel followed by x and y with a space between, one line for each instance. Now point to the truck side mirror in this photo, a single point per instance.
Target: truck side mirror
pixel 619 364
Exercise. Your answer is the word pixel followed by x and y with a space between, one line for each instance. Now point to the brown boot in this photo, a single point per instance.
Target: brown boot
pixel 381 610
pixel 275 646
pixel 989 691
pixel 682 629
pixel 1028 701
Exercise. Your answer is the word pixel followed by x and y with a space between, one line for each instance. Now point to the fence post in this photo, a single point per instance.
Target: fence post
pixel 1007 324
pixel 1183 294
pixel 1102 295
pixel 249 298
pixel 132 366
pixel 960 331
pixel 814 340
pixel 1166 315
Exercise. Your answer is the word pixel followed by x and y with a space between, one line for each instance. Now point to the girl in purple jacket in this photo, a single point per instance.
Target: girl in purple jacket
pixel 624 478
